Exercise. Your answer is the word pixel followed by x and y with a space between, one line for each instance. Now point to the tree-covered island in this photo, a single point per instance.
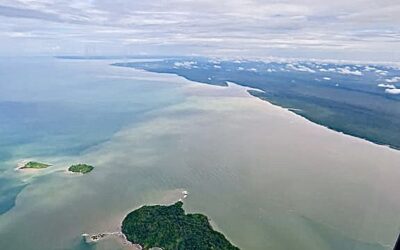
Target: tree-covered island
pixel 81 168
pixel 35 165
pixel 169 228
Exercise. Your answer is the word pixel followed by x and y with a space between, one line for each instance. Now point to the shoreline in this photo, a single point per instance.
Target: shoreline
pixel 291 110
pixel 261 104
pixel 342 133
pixel 22 163
pixel 118 235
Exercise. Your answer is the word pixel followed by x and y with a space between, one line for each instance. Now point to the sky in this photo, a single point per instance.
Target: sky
pixel 363 30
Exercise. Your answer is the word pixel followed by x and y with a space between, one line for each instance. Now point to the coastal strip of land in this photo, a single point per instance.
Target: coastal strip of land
pixel 348 103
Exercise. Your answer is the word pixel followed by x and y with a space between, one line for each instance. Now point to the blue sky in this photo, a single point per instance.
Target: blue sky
pixel 367 30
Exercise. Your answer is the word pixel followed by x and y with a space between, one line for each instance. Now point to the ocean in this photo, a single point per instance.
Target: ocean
pixel 266 177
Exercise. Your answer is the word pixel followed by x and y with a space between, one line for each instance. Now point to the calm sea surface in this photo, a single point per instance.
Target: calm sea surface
pixel 267 178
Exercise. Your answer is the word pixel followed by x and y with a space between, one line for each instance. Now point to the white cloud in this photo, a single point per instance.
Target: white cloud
pixel 388 86
pixel 361 29
pixel 301 68
pixel 252 70
pixel 186 64
pixel 348 71
pixel 381 72
pixel 393 91
pixel 393 79
pixel 369 68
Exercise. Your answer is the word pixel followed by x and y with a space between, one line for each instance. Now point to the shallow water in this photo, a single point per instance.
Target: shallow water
pixel 267 178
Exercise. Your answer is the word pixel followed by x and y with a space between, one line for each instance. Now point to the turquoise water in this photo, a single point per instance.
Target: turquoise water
pixel 61 107
pixel 267 178
pixel 51 107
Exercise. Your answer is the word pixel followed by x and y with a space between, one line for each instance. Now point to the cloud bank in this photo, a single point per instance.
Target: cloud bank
pixel 350 30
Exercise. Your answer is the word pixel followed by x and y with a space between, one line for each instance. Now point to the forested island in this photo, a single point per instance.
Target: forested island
pixel 35 165
pixel 169 228
pixel 81 168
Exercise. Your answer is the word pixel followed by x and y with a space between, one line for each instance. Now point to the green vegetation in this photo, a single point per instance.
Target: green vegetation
pixel 169 228
pixel 81 168
pixel 35 165
pixel 351 104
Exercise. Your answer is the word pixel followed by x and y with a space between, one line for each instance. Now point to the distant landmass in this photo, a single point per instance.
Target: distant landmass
pixel 359 100
pixel 169 228
pixel 89 57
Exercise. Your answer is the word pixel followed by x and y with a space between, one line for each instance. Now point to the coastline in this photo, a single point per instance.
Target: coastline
pixel 339 132
pixel 126 149
pixel 21 166
pixel 119 236
pixel 291 110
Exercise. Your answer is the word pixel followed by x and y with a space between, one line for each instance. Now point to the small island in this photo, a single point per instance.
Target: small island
pixel 81 168
pixel 169 228
pixel 34 165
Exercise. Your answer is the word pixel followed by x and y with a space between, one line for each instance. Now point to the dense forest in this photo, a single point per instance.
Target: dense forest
pixel 169 228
